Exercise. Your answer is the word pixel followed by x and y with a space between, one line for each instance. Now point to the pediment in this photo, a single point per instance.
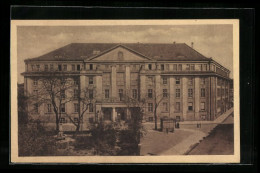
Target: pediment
pixel 119 53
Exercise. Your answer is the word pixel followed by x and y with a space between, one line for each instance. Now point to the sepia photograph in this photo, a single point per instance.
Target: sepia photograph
pixel 125 91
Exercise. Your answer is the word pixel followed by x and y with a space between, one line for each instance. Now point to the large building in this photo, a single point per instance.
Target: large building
pixel 174 78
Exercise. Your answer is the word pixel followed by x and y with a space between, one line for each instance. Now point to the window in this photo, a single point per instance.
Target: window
pixel 46 67
pixel 134 93
pixel 107 93
pixel 59 67
pixel 32 66
pixel 190 106
pixel 177 106
pixel 150 107
pixel 35 82
pixel 78 67
pixel 51 67
pixel 150 80
pixel 202 106
pixel 36 107
pixel 202 93
pixel 188 67
pixel 162 67
pixel 62 107
pixel 165 106
pixel 91 107
pixel 150 93
pixel 205 67
pixel 190 82
pixel 174 67
pixel 202 81
pixel 150 66
pixel 134 67
pixel 164 80
pixel 65 67
pixel 76 107
pixel 192 67
pixel 106 78
pixel 90 80
pixel 35 92
pixel 49 108
pixel 190 93
pixel 106 66
pixel 76 120
pixel 62 94
pixel 120 92
pixel 38 67
pixel 178 81
pixel 76 81
pixel 62 120
pixel 91 95
pixel 180 67
pixel 76 93
pixel 73 67
pixel 165 93
pixel 91 66
pixel 91 120
pixel 120 78
pixel 178 93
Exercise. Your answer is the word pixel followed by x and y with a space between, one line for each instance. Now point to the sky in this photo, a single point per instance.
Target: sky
pixel 214 41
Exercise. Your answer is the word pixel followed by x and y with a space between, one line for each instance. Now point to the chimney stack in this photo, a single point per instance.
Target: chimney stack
pixel 192 44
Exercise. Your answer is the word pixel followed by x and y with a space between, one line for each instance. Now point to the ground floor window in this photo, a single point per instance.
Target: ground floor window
pixel 63 120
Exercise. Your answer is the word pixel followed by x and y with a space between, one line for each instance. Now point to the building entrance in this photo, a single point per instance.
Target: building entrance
pixel 107 113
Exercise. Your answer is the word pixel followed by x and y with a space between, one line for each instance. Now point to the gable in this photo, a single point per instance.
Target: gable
pixel 119 53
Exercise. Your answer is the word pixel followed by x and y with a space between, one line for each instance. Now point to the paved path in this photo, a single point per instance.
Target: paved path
pixel 184 145
pixel 197 135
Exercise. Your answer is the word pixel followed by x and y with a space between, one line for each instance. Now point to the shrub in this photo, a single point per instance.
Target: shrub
pixel 33 140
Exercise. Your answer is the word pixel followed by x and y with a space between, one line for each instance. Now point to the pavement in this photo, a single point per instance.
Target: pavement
pixel 183 140
pixel 219 142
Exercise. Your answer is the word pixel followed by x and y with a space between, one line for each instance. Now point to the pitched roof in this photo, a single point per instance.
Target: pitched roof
pixel 157 51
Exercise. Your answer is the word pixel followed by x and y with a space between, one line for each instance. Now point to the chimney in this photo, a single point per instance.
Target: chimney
pixel 192 44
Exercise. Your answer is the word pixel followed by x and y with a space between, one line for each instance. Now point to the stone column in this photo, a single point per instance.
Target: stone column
pixel 25 86
pixel 142 87
pixel 99 88
pixel 127 113
pixel 82 83
pixel 158 93
pixel 197 98
pixel 113 82
pixel 127 80
pixel 171 96
pixel 184 97
pixel 114 114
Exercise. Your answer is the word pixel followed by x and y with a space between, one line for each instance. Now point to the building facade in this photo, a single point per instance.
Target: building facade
pixel 173 79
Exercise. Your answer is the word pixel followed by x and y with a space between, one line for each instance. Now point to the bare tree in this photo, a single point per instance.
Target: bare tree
pixel 85 98
pixel 52 90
